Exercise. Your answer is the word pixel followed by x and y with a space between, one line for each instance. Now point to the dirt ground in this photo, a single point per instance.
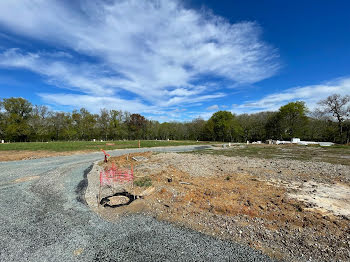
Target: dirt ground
pixel 337 154
pixel 291 210
pixel 14 155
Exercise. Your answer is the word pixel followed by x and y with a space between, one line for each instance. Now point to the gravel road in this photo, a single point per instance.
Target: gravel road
pixel 42 219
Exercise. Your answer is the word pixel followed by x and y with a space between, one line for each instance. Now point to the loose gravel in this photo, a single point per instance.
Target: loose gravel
pixel 302 216
pixel 44 219
pixel 288 170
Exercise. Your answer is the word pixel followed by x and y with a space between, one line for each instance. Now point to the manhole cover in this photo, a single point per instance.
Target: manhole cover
pixel 117 200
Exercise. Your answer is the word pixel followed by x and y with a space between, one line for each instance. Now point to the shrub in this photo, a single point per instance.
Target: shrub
pixel 143 182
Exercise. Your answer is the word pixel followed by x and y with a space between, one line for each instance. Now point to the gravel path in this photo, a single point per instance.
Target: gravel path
pixel 43 219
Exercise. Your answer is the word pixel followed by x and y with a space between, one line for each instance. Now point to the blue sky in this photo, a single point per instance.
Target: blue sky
pixel 174 60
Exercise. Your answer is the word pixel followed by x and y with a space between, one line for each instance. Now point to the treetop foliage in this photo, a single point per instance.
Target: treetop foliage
pixel 22 121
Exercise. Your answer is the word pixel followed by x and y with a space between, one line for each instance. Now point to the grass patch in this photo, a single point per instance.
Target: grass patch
pixel 143 182
pixel 91 146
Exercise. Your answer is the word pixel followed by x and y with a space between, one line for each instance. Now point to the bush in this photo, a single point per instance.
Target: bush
pixel 143 182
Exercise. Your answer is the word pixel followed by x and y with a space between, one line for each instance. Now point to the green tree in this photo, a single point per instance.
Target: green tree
pixel 152 129
pixel 225 126
pixel 321 129
pixel 115 124
pixel 17 114
pixel 2 121
pixel 209 133
pixel 87 125
pixel 103 123
pixel 38 123
pixel 254 126
pixel 346 125
pixel 196 129
pixel 60 124
pixel 273 126
pixel 137 126
pixel 77 124
pixel 293 119
pixel 165 130
pixel 68 132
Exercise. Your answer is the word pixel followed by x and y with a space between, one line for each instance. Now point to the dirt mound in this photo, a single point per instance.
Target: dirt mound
pixel 277 206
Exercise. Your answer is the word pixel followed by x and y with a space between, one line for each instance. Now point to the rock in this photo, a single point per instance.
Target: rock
pixel 139 158
pixel 118 200
pixel 148 191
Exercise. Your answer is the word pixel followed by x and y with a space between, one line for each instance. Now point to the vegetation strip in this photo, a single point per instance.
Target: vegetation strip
pixel 20 121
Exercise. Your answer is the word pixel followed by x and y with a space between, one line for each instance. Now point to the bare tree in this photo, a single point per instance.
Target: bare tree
pixel 337 106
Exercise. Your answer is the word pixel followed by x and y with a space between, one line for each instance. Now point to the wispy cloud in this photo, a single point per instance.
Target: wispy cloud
pixel 309 94
pixel 60 71
pixel 94 104
pixel 157 50
pixel 213 108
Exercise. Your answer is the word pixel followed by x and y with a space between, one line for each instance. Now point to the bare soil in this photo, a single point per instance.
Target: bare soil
pixel 14 155
pixel 118 200
pixel 291 210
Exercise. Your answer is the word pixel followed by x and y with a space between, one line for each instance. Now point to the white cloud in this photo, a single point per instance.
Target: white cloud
pixel 82 77
pixel 311 95
pixel 202 115
pixel 213 108
pixel 94 104
pixel 156 50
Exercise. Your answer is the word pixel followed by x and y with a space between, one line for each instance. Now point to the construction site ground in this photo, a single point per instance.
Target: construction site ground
pixel 36 150
pixel 15 155
pixel 291 210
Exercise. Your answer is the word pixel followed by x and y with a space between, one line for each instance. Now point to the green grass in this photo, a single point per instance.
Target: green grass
pixel 91 146
pixel 143 182
pixel 338 154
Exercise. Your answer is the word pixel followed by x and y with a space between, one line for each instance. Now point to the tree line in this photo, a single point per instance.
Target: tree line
pixel 21 121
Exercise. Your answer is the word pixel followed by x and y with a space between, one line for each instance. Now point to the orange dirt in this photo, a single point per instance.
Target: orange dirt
pixel 233 195
pixel 199 202
pixel 125 160
pixel 229 195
